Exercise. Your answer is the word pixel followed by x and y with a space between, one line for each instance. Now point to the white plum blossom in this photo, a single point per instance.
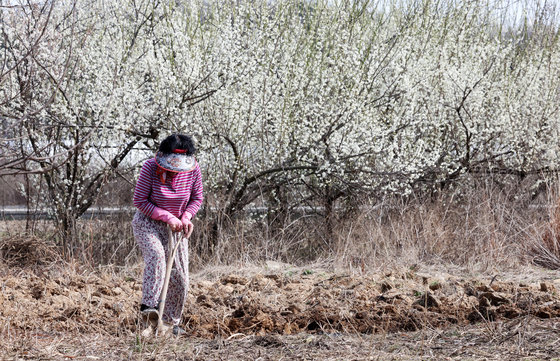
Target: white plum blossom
pixel 320 99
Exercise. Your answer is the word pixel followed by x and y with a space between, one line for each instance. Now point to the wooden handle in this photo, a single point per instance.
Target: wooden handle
pixel 171 251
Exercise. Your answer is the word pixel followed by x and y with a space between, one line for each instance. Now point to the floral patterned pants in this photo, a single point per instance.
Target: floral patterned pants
pixel 152 238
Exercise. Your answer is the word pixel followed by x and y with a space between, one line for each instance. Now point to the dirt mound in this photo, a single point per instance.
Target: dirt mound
pixel 68 303
pixel 274 303
pixel 279 303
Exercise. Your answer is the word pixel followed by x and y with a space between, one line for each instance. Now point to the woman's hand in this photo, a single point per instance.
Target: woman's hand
pixel 175 224
pixel 187 226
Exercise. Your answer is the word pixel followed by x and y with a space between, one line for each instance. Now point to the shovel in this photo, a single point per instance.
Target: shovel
pixel 172 246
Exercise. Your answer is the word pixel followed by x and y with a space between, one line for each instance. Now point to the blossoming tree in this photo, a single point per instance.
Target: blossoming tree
pixel 291 102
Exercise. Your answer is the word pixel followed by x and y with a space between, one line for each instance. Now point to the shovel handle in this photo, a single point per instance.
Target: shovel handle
pixel 172 246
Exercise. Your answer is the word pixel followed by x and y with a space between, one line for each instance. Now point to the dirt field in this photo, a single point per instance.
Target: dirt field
pixel 284 312
pixel 281 312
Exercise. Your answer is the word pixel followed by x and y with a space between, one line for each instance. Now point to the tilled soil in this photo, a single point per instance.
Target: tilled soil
pixel 281 302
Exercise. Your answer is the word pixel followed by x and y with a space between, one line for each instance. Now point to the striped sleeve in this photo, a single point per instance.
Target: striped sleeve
pixel 143 189
pixel 196 198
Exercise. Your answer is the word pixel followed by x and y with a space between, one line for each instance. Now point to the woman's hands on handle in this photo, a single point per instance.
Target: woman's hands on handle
pixel 175 224
pixel 162 215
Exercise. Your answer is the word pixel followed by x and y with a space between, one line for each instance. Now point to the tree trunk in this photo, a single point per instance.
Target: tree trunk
pixel 67 232
pixel 329 214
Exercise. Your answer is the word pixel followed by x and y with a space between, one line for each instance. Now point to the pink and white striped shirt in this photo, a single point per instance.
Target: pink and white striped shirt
pixel 181 193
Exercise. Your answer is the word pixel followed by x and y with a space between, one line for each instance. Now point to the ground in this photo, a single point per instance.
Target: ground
pixel 524 339
pixel 276 311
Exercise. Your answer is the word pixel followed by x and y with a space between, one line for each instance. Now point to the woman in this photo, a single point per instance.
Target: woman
pixel 168 193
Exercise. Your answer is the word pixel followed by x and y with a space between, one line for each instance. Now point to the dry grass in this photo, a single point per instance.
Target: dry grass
pixel 27 251
pixel 107 241
pixel 546 251
pixel 482 234
pixel 488 227
pixel 527 339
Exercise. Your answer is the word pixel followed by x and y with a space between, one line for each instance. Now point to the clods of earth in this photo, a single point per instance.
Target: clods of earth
pixel 281 302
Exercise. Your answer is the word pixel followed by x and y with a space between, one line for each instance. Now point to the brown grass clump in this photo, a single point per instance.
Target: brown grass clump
pixel 27 251
pixel 547 252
